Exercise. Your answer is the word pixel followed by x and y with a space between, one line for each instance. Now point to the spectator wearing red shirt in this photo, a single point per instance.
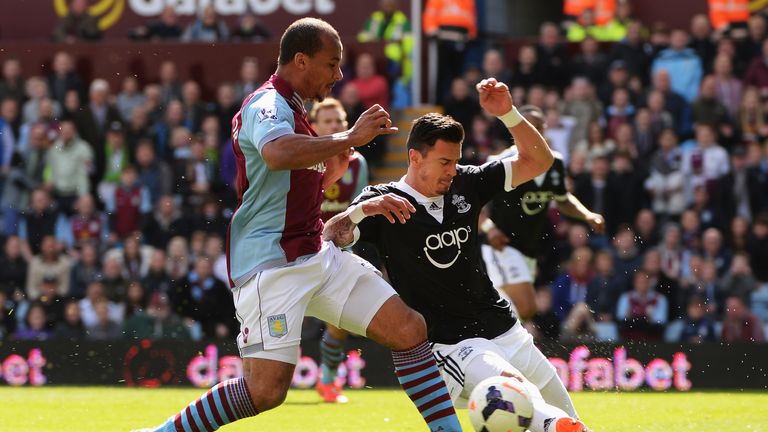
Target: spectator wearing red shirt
pixel 130 204
pixel 642 311
pixel 372 87
pixel 741 325
pixel 757 73
pixel 87 225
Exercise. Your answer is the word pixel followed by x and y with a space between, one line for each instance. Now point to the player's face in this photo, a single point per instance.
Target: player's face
pixel 323 69
pixel 437 168
pixel 329 121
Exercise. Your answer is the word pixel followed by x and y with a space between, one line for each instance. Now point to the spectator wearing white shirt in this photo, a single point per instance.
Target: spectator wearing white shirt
pixel 130 97
pixel 37 90
pixel 558 132
pixel 706 162
pixel 94 294
pixel 666 180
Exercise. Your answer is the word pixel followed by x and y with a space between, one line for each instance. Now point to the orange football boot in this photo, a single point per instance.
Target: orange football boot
pixel 570 425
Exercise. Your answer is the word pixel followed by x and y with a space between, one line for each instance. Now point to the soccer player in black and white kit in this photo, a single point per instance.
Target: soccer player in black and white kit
pixel 433 256
pixel 518 218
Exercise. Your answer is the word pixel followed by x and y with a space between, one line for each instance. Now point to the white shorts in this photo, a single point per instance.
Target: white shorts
pixel 506 266
pixel 465 364
pixel 335 286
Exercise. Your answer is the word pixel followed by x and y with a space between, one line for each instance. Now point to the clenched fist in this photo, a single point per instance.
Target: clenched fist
pixel 494 96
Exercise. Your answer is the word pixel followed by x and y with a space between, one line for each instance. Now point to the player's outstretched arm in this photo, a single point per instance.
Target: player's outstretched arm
pixel 534 155
pixel 495 237
pixel 296 151
pixel 576 209
pixel 341 229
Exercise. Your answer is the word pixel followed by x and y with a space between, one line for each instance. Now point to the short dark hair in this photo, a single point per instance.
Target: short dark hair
pixel 304 36
pixel 429 128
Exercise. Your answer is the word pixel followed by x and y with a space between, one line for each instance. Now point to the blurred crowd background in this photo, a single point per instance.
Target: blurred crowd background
pixel 115 200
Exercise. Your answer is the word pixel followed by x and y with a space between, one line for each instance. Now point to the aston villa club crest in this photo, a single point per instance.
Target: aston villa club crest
pixel 278 325
pixel 460 203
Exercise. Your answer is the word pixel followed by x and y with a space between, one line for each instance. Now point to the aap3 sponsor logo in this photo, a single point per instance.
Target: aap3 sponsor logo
pixel 452 239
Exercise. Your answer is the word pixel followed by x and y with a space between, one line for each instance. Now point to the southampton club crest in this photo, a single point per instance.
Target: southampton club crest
pixel 555 178
pixel 460 203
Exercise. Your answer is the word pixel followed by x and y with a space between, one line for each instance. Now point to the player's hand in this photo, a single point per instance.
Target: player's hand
pixel 391 206
pixel 596 221
pixel 373 122
pixel 497 239
pixel 494 96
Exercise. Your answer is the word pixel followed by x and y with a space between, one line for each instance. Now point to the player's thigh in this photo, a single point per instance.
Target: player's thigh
pixel 271 308
pixel 519 267
pixel 453 362
pixel 523 298
pixel 532 265
pixel 351 296
pixel 519 350
pixel 397 326
pixel 335 332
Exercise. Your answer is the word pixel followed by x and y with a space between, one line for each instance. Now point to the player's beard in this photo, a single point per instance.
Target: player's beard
pixel 327 89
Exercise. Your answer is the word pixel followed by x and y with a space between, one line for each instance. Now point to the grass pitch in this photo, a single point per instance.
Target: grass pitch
pixel 101 409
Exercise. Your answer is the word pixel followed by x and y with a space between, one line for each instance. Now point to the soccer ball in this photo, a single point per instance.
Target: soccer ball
pixel 500 404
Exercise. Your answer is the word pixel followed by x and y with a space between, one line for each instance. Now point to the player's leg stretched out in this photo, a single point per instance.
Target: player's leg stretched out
pixel 546 417
pixel 267 373
pixel 331 356
pixel 469 362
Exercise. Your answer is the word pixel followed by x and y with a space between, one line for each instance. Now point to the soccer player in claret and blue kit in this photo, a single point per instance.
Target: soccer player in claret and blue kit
pixel 434 261
pixel 280 269
pixel 327 118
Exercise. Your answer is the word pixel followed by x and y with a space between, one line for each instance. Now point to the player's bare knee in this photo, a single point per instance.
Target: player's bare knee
pixel 267 395
pixel 273 398
pixel 413 329
pixel 268 383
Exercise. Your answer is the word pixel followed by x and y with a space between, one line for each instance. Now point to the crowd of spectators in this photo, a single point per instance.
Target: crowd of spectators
pixel 123 196
pixel 115 202
pixel 665 137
